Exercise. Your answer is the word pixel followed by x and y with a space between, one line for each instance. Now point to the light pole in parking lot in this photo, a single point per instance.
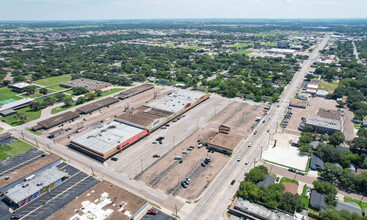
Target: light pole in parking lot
pixel 141 163
pixel 178 181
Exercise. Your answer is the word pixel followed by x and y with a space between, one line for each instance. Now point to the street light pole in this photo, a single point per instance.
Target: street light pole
pixel 141 163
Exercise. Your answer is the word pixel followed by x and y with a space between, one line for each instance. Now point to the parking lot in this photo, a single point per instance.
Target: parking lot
pixel 13 163
pixel 159 216
pixel 55 199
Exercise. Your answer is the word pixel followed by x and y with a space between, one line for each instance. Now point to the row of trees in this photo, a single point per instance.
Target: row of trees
pixel 272 196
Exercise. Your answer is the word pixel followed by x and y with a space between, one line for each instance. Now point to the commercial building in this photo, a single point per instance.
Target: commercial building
pixel 296 47
pixel 56 120
pixel 34 186
pixel 104 201
pixel 321 93
pixel 243 208
pixel 298 103
pixel 283 44
pixel 19 87
pixel 105 141
pixel 224 143
pixel 324 125
pixel 328 113
pixel 128 128
pixel 134 91
pixel 96 105
pixel 281 51
pixel 89 84
pixel 56 133
pixel 5 135
pixel 303 96
pixel 10 108
pixel 19 175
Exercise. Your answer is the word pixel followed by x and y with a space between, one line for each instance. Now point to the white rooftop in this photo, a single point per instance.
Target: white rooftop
pixel 316 120
pixel 21 85
pixel 19 193
pixel 105 138
pixel 15 104
pixel 176 101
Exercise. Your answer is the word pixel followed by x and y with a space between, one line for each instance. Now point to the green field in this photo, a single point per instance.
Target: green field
pixel 53 80
pixel 13 149
pixel 270 44
pixel 244 52
pixel 7 93
pixel 285 179
pixel 240 46
pixel 192 47
pixel 328 86
pixel 34 132
pixel 63 108
pixel 56 88
pixel 305 200
pixel 31 115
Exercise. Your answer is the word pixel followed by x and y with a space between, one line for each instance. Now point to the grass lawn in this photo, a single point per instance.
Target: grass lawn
pixel 13 149
pixel 239 46
pixel 328 86
pixel 53 80
pixel 56 88
pixel 7 93
pixel 357 125
pixel 63 108
pixel 285 179
pixel 34 132
pixel 244 52
pixel 363 205
pixel 270 44
pixel 31 115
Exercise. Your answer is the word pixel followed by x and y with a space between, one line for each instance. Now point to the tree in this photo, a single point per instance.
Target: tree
pixel 6 82
pixel 249 190
pixel 332 214
pixel 68 101
pixel 59 96
pixel 329 153
pixel 331 172
pixel 43 91
pixel 336 138
pixel 308 128
pixel 290 203
pixel 30 89
pixel 90 96
pixel 328 189
pixel 48 101
pixel 22 118
pixel 80 100
pixel 256 174
pixel 305 148
pixel 306 138
pixel 98 92
pixel 35 106
pixel 79 90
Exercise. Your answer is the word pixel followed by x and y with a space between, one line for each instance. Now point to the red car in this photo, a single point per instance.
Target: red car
pixel 152 212
pixel 192 147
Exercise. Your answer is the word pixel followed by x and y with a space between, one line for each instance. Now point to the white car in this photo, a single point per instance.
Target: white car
pixel 239 158
pixel 250 144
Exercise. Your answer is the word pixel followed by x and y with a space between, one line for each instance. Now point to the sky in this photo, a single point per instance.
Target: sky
pixel 156 9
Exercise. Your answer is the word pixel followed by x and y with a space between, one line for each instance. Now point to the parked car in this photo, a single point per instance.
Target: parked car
pixel 239 158
pixel 114 159
pixel 192 147
pixel 16 216
pixel 185 152
pixel 268 130
pixel 255 132
pixel 207 159
pixel 203 164
pixel 233 182
pixel 246 162
pixel 163 127
pixel 200 145
pixel 152 212
pixel 188 180
pixel 156 155
pixel 183 184
pixel 250 144
pixel 278 178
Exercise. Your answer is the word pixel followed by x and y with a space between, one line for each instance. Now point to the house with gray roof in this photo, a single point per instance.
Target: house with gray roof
pixel 267 181
pixel 317 200
pixel 316 163
pixel 349 206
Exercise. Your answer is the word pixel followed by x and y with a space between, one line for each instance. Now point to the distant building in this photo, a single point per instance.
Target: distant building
pixel 303 96
pixel 19 87
pixel 283 44
pixel 324 125
pixel 296 47
pixel 298 103
pixel 321 93
pixel 10 108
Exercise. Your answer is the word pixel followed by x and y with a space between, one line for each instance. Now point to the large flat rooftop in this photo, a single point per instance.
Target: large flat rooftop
pixel 15 104
pixel 97 105
pixel 134 91
pixel 131 203
pixel 107 137
pixel 29 169
pixel 25 189
pixel 316 120
pixel 176 101
pixel 142 116
pixel 226 141
pixel 56 120
pixel 89 84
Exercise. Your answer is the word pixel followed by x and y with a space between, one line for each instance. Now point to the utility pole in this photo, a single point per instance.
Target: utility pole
pixel 36 141
pixel 22 134
pixel 92 170
pixel 197 124
pixel 48 145
pixel 261 154
pixel 141 163
pixel 173 141
pixel 176 210
pixel 254 162
pixel 178 181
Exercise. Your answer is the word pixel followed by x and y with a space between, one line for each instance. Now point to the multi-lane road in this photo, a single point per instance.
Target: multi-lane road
pixel 215 200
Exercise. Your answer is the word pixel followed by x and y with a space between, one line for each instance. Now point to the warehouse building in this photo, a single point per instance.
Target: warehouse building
pixel 10 108
pixel 298 103
pixel 134 91
pixel 324 125
pixel 19 175
pixel 34 186
pixel 104 201
pixel 105 141
pixel 56 120
pixel 96 105
pixel 89 84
